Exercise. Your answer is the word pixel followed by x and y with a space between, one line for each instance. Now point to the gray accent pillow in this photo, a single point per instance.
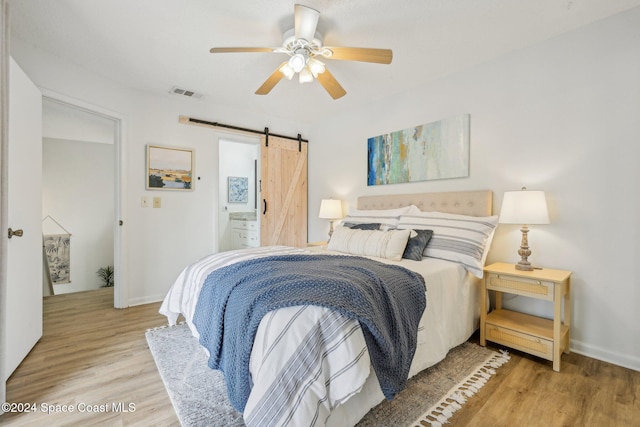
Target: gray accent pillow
pixel 363 226
pixel 415 245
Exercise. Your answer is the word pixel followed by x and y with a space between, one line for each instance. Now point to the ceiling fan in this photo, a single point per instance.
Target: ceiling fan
pixel 304 47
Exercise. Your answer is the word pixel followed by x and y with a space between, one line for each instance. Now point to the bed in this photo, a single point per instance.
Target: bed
pixel 334 382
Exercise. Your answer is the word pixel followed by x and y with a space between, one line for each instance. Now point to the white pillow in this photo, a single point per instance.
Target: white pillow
pixel 381 244
pixel 387 218
pixel 459 238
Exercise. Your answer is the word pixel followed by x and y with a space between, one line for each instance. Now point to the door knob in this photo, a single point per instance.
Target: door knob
pixel 15 233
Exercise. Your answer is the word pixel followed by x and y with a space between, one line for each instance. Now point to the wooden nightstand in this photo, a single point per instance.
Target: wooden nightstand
pixel 317 246
pixel 546 338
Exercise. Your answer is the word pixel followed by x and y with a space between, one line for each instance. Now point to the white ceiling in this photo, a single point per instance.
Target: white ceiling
pixel 153 45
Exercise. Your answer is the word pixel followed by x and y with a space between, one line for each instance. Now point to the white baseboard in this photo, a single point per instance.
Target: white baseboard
pixel 145 300
pixel 624 360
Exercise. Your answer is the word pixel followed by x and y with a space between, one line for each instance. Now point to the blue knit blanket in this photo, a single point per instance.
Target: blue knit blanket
pixel 387 300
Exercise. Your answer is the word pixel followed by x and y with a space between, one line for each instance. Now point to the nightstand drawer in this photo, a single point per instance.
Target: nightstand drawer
pixel 520 341
pixel 520 286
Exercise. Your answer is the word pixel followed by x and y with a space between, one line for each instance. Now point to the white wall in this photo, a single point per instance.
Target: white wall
pixel 159 242
pixel 560 116
pixel 77 193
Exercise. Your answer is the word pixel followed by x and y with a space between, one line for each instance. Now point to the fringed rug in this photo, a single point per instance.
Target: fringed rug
pixel 199 394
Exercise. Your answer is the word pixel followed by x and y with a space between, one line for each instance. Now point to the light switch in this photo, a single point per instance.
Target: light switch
pixel 144 202
pixel 157 202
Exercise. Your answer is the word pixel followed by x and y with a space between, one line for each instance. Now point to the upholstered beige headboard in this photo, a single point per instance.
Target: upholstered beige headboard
pixel 475 203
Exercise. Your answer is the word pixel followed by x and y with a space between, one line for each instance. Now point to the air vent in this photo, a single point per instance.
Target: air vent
pixel 184 92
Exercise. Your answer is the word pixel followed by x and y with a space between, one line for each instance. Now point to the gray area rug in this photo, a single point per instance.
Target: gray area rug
pixel 199 394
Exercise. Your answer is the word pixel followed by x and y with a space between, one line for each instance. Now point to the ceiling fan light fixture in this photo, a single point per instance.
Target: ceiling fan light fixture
pixel 304 46
pixel 287 71
pixel 316 67
pixel 305 75
pixel 297 62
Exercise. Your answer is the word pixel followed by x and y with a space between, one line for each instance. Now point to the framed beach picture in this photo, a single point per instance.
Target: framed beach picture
pixel 238 189
pixel 169 168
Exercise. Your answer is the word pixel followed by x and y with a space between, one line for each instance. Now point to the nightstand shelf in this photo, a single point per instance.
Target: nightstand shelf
pixel 546 338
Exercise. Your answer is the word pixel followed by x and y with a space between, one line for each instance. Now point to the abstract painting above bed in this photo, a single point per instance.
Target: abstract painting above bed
pixel 437 150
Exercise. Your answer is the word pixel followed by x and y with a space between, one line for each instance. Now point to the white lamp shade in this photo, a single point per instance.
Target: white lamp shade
pixel 297 62
pixel 287 71
pixel 316 67
pixel 330 209
pixel 524 207
pixel 305 76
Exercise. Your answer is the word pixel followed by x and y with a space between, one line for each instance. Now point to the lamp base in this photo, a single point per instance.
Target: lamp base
pixel 330 230
pixel 524 266
pixel 524 252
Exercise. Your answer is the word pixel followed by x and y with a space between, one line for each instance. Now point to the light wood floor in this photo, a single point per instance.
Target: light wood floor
pixel 92 354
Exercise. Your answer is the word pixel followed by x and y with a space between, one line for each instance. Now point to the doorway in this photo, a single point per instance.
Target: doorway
pixel 77 198
pixel 239 175
pixel 76 118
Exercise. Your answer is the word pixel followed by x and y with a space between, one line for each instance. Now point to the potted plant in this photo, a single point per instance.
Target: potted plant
pixel 106 276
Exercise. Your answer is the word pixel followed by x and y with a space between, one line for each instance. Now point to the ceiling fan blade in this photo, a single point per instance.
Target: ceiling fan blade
pixel 241 49
pixel 364 54
pixel 306 21
pixel 331 85
pixel 273 80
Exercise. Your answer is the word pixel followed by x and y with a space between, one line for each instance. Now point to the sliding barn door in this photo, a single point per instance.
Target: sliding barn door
pixel 284 192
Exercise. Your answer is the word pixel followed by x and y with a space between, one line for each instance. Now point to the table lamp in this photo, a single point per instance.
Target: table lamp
pixel 526 208
pixel 330 209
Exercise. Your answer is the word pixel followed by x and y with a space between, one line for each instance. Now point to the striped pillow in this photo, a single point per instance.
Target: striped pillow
pixel 459 238
pixel 376 243
pixel 387 218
